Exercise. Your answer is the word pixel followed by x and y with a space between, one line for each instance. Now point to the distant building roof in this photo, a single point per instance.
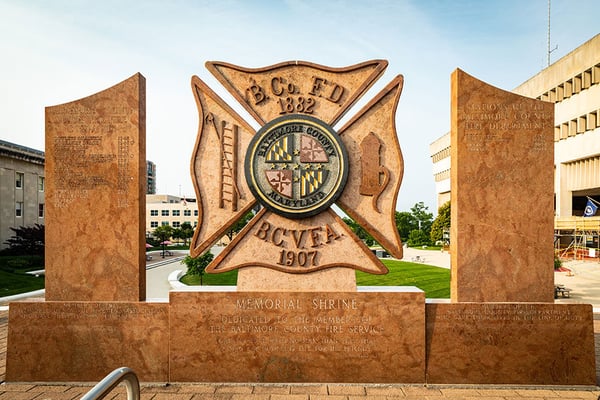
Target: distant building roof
pixel 13 150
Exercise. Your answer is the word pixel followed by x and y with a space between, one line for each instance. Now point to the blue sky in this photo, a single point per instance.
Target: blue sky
pixel 58 51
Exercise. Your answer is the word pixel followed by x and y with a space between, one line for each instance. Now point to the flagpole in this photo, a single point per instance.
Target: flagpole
pixel 592 200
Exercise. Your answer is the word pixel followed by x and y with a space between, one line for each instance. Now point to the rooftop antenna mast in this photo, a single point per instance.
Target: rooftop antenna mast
pixel 555 47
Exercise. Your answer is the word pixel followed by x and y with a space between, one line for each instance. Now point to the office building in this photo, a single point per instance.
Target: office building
pixel 22 187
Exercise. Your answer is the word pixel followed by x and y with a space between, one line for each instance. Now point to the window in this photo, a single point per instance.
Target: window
pixel 153 224
pixel 41 210
pixel 164 213
pixel 41 183
pixel 165 223
pixel 19 209
pixel 187 213
pixel 195 224
pixel 176 213
pixel 154 213
pixel 176 224
pixel 195 213
pixel 19 180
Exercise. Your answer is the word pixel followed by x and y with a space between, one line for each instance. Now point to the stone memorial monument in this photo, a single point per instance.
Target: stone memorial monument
pixel 96 169
pixel 502 194
pixel 502 326
pixel 94 318
pixel 296 314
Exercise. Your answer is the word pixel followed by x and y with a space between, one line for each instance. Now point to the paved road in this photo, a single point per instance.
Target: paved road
pixel 584 282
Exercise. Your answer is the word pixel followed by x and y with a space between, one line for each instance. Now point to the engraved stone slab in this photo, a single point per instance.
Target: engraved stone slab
pixel 297 246
pixel 504 343
pixel 298 337
pixel 95 198
pixel 297 87
pixel 502 194
pixel 84 341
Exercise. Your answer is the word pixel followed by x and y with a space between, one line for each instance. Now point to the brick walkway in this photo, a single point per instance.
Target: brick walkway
pixel 12 391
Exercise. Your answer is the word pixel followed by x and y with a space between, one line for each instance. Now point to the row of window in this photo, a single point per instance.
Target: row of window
pixel 20 181
pixel 579 82
pixel 442 176
pixel 583 123
pixel 440 155
pixel 174 224
pixel 19 209
pixel 174 213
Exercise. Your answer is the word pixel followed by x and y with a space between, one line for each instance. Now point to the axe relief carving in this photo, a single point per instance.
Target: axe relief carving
pixel 375 176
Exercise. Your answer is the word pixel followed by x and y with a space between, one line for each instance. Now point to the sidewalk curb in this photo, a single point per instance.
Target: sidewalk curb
pixel 20 296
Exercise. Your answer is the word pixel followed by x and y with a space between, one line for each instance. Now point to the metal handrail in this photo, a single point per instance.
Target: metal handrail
pixel 112 380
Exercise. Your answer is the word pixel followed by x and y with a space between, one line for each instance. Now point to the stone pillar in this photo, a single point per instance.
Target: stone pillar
pixel 502 194
pixel 95 199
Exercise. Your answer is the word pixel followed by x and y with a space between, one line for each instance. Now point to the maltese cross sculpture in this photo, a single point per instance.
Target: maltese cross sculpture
pixel 297 166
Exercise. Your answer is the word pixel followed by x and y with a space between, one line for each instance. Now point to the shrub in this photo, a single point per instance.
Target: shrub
pixel 418 238
pixel 196 266
pixel 557 263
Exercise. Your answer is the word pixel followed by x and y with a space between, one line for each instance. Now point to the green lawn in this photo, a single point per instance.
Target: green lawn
pixel 14 280
pixel 15 283
pixel 434 281
pixel 225 278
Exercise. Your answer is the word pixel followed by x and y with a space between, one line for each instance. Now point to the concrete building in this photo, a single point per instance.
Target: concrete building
pixel 573 85
pixel 440 156
pixel 22 186
pixel 164 209
pixel 150 177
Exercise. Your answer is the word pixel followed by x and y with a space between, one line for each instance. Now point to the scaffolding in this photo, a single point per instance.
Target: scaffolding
pixel 577 238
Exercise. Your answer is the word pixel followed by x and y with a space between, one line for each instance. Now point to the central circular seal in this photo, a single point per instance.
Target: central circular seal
pixel 296 166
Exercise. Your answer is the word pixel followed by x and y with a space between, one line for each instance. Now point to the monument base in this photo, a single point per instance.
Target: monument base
pixel 234 336
pixel 374 335
pixel 54 341
pixel 510 343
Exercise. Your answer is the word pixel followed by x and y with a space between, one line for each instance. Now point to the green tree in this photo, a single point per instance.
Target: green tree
pixel 187 231
pixel 163 232
pixel 359 231
pixel 239 225
pixel 417 237
pixel 27 240
pixel 417 219
pixel 197 266
pixel 423 218
pixel 441 223
pixel 177 234
pixel 405 223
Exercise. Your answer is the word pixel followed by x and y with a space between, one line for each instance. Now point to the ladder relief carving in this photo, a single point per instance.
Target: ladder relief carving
pixel 227 133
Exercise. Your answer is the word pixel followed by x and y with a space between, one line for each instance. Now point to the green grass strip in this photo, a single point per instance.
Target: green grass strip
pixel 12 283
pixel 434 281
